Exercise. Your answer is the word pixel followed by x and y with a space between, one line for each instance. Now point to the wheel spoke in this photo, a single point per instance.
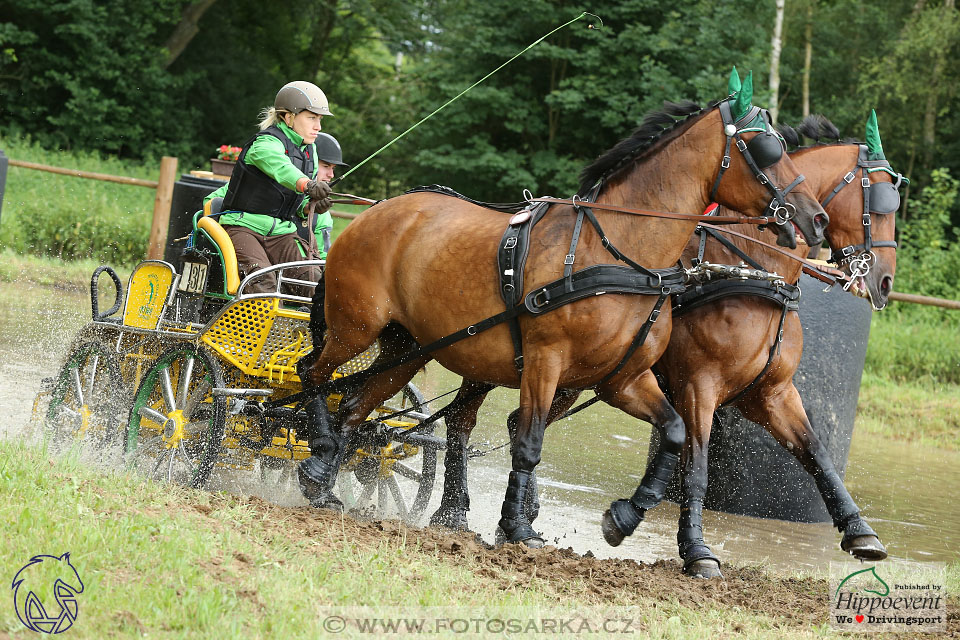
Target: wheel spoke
pixel 171 456
pixel 367 493
pixel 391 482
pixel 381 496
pixel 77 385
pixel 183 454
pixel 93 376
pixel 167 389
pixel 195 398
pixel 410 474
pixel 186 372
pixel 152 414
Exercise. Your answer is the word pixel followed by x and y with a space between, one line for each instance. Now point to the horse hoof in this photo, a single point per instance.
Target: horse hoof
pixel 704 568
pixel 533 542
pixel 611 533
pixel 865 548
pixel 456 521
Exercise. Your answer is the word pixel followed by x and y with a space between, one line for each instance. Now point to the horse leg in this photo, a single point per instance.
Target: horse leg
pixel 697 410
pixel 562 401
pixel 460 422
pixel 785 418
pixel 536 396
pixel 642 398
pixel 327 434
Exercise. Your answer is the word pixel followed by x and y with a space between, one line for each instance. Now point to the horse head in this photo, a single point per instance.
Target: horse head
pixel 757 176
pixel 862 203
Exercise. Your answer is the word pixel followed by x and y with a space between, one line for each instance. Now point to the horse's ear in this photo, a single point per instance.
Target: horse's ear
pixel 874 147
pixel 744 98
pixel 733 85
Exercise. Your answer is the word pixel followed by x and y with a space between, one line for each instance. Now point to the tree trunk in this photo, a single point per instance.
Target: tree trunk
pixel 184 32
pixel 807 59
pixel 775 44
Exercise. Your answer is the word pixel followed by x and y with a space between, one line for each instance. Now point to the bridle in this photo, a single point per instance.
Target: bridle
pixel 764 150
pixel 882 198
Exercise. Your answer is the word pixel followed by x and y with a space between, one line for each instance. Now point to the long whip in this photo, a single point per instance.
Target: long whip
pixel 459 95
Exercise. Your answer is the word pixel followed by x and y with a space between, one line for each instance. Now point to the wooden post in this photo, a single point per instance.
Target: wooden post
pixel 161 208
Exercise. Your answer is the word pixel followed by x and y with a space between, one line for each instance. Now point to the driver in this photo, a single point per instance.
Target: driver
pixel 278 194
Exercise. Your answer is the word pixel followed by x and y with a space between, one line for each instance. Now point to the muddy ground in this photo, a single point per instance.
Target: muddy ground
pixel 793 601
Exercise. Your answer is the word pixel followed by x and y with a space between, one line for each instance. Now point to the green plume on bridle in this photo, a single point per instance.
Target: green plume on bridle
pixel 741 104
pixel 733 86
pixel 874 147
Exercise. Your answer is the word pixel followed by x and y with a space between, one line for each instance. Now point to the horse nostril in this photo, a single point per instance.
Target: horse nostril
pixel 821 220
pixel 886 285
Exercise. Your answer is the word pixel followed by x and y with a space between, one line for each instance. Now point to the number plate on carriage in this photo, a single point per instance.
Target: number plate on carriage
pixel 194 278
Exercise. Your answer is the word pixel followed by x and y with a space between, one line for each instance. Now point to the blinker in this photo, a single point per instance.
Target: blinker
pixel 884 198
pixel 766 149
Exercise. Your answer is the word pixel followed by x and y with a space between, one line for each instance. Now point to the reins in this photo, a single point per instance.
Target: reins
pixel 670 215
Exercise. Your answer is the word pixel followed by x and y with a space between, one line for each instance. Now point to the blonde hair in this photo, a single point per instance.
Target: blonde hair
pixel 271 116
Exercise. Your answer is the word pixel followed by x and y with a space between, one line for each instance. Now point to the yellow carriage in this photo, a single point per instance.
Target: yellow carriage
pixel 180 368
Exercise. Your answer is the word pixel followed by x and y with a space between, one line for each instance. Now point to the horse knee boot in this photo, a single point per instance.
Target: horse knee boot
pixel 623 516
pixel 317 474
pixel 514 520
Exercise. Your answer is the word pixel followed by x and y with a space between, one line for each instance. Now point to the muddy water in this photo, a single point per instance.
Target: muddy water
pixel 589 459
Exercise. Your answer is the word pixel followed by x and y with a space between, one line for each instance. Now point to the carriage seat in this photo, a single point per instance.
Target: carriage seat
pixel 222 239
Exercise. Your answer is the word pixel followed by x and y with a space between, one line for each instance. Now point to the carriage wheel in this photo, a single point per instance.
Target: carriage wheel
pixel 398 477
pixel 176 424
pixel 86 397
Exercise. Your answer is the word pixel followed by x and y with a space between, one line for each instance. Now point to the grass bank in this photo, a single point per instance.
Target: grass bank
pixel 167 561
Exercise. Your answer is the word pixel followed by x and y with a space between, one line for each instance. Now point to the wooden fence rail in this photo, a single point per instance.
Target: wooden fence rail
pixel 164 199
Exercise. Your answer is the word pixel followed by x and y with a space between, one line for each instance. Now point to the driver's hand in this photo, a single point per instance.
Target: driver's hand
pixel 317 190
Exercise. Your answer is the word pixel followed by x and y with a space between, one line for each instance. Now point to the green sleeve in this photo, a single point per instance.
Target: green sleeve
pixel 324 221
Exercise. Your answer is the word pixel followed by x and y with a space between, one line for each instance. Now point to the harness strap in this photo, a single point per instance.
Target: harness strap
pixel 774 349
pixel 639 339
pixel 704 231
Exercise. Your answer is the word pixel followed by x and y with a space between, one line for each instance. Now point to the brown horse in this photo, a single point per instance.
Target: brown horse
pixel 721 353
pixel 703 372
pixel 410 271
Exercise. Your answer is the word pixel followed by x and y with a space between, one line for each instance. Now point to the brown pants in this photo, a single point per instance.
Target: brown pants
pixel 256 251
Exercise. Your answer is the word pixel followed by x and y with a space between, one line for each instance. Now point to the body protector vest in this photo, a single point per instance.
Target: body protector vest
pixel 252 191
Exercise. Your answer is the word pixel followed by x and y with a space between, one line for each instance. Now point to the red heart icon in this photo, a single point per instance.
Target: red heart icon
pixel 860 618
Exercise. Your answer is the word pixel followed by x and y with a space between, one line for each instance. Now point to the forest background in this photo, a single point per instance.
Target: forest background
pixel 127 82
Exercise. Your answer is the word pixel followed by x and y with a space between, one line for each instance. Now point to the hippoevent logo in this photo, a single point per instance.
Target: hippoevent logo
pixel 894 597
pixel 45 593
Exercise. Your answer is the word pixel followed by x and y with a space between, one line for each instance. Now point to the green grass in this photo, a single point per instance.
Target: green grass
pixel 920 347
pixel 922 413
pixel 173 562
pixel 64 216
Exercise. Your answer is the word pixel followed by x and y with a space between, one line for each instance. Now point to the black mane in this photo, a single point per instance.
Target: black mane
pixel 815 127
pixel 651 130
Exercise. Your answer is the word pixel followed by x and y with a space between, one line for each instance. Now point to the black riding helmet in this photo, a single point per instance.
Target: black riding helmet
pixel 328 150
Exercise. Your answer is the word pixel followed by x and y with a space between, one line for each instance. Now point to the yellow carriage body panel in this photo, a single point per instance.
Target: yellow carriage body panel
pixel 261 338
pixel 147 294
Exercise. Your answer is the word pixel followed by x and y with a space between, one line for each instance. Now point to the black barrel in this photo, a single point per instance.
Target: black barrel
pixel 749 473
pixel 188 194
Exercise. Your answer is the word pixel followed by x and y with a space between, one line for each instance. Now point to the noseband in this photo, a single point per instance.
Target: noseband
pixel 886 201
pixel 781 210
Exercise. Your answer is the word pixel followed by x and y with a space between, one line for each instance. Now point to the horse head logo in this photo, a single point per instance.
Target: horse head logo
pixel 39 574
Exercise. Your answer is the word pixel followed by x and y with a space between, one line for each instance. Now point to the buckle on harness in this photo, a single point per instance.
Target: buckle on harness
pixel 654 315
pixel 849 177
pixel 865 183
pixel 568 259
pixel 510 243
pixel 725 163
pixel 541 299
